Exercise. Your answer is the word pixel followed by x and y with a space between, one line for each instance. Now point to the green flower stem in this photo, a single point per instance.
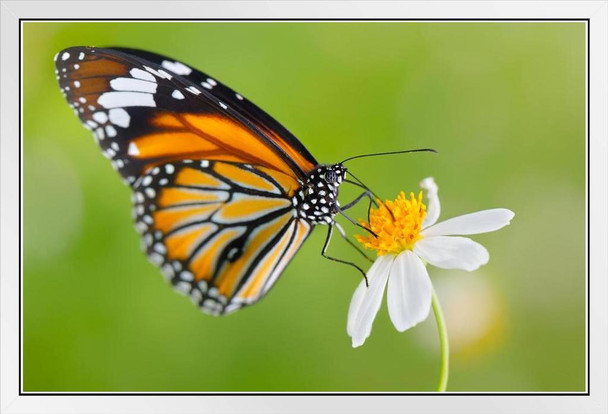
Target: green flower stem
pixel 443 341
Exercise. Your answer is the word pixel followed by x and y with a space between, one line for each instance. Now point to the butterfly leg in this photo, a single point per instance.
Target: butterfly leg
pixel 367 194
pixel 345 237
pixel 330 231
pixel 372 200
pixel 355 223
pixel 356 200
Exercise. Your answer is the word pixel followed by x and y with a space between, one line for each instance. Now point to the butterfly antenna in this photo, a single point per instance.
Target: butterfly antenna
pixel 388 153
pixel 361 184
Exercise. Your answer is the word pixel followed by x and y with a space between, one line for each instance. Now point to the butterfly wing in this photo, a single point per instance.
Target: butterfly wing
pixel 254 115
pixel 144 113
pixel 221 232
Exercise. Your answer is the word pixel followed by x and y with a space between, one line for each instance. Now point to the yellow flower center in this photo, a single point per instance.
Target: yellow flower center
pixel 397 224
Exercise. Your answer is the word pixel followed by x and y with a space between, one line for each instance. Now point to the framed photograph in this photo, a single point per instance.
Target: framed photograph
pixel 291 207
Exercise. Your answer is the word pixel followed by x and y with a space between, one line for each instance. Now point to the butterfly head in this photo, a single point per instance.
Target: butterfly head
pixel 333 174
pixel 317 200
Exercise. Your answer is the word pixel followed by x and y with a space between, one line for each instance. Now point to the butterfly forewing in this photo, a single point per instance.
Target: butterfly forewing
pixel 144 114
pixel 220 232
pixel 284 139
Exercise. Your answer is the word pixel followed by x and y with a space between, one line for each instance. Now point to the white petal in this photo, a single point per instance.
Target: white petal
pixel 363 290
pixel 451 252
pixel 474 223
pixel 433 208
pixel 366 301
pixel 409 291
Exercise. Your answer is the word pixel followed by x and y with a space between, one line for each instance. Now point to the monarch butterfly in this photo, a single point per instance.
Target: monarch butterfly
pixel 223 195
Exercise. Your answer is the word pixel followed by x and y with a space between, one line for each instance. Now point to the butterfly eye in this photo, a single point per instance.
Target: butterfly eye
pixel 331 176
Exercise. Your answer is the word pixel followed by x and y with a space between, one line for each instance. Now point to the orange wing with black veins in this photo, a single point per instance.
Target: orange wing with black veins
pixel 220 232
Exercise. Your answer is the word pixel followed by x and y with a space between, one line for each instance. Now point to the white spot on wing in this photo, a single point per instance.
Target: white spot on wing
pixel 133 85
pixel 100 135
pixel 186 275
pixel 110 131
pixel 160 248
pixel 133 150
pixel 164 74
pixel 65 56
pixel 177 94
pixel 168 272
pixel 154 72
pixel 124 99
pixel 177 266
pixel 196 296
pixel 183 288
pixel 142 74
pixel 193 90
pixel 120 117
pixel 156 258
pixel 176 67
pixel 100 117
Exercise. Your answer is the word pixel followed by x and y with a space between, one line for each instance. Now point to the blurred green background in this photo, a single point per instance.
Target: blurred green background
pixel 504 103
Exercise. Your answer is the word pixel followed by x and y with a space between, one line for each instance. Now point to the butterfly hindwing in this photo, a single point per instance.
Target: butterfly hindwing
pixel 220 232
pixel 144 114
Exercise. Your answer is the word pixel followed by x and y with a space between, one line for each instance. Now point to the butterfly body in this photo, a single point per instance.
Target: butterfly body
pixel 317 200
pixel 223 195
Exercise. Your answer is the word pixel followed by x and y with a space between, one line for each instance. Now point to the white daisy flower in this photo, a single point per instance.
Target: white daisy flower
pixel 407 235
